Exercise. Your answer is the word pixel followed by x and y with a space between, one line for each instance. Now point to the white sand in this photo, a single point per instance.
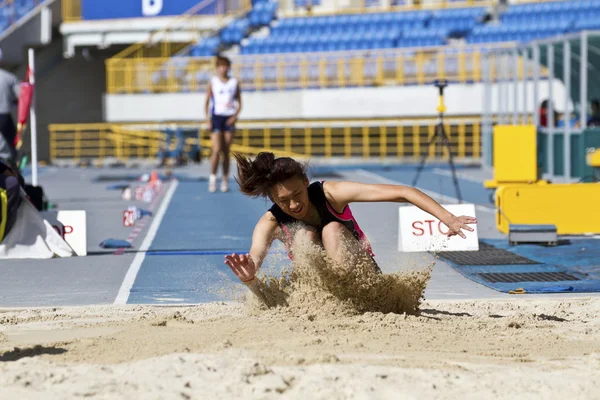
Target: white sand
pixel 523 347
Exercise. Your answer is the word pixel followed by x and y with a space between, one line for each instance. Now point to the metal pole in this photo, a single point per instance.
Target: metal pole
pixel 567 114
pixel 515 64
pixel 536 84
pixel 33 119
pixel 526 65
pixel 506 87
pixel 487 105
pixel 583 76
pixel 550 119
pixel 499 103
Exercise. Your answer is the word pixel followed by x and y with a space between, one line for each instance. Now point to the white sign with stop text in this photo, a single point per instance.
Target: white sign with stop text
pixel 71 225
pixel 421 231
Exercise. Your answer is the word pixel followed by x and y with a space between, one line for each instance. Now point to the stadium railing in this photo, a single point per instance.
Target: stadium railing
pixel 377 139
pixel 314 7
pixel 71 10
pixel 301 71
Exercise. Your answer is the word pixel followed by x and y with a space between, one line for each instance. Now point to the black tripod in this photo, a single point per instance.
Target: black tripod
pixel 440 133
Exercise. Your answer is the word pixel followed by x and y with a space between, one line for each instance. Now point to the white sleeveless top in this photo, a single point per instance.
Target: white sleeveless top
pixel 223 96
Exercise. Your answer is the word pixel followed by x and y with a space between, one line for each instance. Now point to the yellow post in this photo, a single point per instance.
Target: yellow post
pixel 400 70
pixel 462 67
pixel 328 141
pixel 476 66
pixel 52 134
pixel 307 141
pixel 267 140
pixel 416 141
pixel 245 137
pixel 341 72
pixel 77 145
pixel 379 66
pixel 476 140
pixel 258 75
pixel 287 139
pixel 102 145
pixel 280 74
pixel 322 73
pixel 365 137
pixel 420 67
pixel 461 139
pixel 303 73
pixel 347 142
pixel 360 72
pixel 430 133
pixel 383 141
pixel 109 65
pixel 400 140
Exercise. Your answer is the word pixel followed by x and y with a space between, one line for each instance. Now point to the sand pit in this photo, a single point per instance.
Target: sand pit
pixel 479 349
pixel 339 335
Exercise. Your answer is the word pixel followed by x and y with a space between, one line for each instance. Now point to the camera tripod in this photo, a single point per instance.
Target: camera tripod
pixel 440 133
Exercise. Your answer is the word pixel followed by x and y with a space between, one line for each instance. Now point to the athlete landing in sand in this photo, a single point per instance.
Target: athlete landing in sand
pixel 319 211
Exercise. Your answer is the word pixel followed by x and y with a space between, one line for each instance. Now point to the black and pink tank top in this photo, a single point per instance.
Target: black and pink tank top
pixel 316 195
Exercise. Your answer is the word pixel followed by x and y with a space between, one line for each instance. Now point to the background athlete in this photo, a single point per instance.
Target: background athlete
pixel 225 95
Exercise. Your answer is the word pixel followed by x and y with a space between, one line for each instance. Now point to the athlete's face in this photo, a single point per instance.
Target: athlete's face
pixel 292 196
pixel 223 70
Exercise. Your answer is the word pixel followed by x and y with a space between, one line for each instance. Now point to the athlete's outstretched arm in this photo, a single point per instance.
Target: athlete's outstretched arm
pixel 245 266
pixel 340 194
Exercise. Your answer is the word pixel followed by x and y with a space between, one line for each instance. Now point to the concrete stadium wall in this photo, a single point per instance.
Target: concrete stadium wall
pixel 382 102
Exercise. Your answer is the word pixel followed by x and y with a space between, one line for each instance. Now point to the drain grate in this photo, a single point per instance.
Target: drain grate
pixel 487 255
pixel 511 277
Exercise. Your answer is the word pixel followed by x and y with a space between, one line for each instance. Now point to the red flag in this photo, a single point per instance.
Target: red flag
pixel 25 96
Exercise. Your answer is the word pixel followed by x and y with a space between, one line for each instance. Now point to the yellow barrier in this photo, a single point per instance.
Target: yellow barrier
pixel 405 139
pixel 573 208
pixel 293 71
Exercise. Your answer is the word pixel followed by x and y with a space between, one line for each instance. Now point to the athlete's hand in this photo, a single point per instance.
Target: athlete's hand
pixel 242 266
pixel 209 126
pixel 457 224
pixel 231 120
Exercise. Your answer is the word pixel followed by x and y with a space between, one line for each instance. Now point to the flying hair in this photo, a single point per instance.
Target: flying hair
pixel 256 177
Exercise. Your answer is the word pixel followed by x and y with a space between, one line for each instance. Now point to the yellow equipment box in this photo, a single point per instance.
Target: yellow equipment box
pixel 515 155
pixel 573 208
pixel 593 158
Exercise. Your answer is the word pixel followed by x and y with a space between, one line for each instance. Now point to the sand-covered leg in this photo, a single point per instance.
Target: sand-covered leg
pixel 343 249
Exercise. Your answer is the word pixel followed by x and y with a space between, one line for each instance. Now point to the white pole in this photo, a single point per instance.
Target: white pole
pixel 536 84
pixel 515 63
pixel 550 118
pixel 583 75
pixel 567 114
pixel 33 122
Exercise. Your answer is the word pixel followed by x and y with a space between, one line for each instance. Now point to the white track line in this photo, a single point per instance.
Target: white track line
pixel 429 193
pixel 134 268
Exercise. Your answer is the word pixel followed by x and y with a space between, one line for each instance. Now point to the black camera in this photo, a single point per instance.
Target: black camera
pixel 440 83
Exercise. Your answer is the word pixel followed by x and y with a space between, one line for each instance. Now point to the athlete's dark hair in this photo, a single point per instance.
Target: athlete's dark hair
pixel 257 177
pixel 221 60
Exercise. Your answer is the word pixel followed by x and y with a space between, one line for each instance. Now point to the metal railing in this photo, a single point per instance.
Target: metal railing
pixel 404 139
pixel 300 71
pixel 367 6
